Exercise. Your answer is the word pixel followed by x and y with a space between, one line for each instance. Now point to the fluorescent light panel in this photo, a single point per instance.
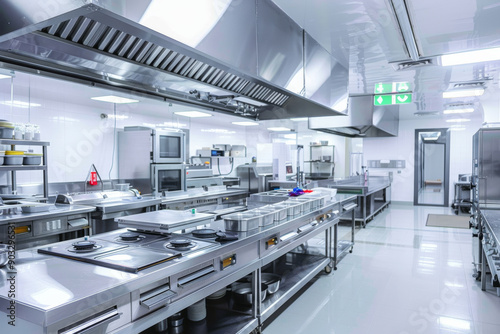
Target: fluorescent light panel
pixel 245 123
pixel 299 119
pixel 114 99
pixel 278 128
pixel 193 114
pixel 470 57
pixel 463 93
pixel 458 111
pixel 4 76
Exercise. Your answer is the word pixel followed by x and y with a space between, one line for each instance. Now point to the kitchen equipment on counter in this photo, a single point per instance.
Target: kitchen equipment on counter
pixel 125 257
pixel 159 146
pixel 254 177
pixel 244 221
pixel 165 220
pixel 110 205
pixel 166 178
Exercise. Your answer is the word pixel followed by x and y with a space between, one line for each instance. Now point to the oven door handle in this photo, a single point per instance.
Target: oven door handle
pixel 93 323
pixel 157 297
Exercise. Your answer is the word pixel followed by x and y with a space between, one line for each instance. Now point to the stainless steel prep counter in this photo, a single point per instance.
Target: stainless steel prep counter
pixel 55 293
pixel 195 198
pixel 46 227
pixel 374 195
pixel 489 236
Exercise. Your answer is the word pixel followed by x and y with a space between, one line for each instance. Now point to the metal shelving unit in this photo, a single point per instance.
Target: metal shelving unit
pixel 319 167
pixel 43 167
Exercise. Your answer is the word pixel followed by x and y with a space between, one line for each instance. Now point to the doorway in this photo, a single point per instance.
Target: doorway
pixel 432 165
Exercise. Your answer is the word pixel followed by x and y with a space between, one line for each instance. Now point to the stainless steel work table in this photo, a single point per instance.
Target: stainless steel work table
pixel 56 211
pixel 186 200
pixel 489 236
pixel 51 290
pixel 368 204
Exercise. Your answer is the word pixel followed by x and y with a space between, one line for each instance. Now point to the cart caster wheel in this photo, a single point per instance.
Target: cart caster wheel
pixel 328 269
pixel 334 268
pixel 350 251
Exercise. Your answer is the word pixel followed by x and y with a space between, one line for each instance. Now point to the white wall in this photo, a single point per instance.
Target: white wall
pixel 402 148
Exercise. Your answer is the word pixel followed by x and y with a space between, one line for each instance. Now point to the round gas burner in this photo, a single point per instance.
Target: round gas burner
pixel 129 237
pixel 84 246
pixel 181 244
pixel 204 233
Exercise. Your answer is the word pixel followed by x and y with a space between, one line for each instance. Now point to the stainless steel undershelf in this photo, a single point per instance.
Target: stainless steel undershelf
pixel 303 268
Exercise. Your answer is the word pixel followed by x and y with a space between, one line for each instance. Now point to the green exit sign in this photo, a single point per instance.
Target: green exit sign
pixel 392 87
pixel 384 100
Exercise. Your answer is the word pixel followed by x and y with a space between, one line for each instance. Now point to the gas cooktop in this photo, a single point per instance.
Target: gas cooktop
pixel 122 251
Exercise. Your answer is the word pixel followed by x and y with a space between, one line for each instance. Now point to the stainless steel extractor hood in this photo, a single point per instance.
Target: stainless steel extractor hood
pixel 363 120
pixel 101 42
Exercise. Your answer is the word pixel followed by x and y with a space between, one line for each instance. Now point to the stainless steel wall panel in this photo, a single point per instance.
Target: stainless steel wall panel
pixel 280 46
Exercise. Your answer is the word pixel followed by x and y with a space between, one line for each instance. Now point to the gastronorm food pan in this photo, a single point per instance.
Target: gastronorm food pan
pixel 293 208
pixel 266 216
pixel 10 160
pixel 305 204
pixel 280 212
pixel 241 221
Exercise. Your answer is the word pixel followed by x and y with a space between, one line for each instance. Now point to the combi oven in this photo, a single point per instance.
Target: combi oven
pixel 158 146
pixel 168 177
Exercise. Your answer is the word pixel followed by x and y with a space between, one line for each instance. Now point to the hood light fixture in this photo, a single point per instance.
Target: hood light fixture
pixel 463 93
pixel 471 57
pixel 192 114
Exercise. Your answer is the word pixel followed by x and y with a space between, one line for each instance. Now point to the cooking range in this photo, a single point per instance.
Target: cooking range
pixel 129 250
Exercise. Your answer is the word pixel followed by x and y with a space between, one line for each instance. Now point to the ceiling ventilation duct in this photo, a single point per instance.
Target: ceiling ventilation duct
pixel 95 43
pixel 363 120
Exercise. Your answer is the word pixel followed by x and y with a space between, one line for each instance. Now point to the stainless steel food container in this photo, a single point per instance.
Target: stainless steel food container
pixel 242 221
pixel 292 208
pixel 32 160
pixel 266 216
pixel 305 204
pixel 280 212
pixel 11 160
pixel 39 207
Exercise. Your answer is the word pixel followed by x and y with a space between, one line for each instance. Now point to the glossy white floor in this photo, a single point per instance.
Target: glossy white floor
pixel 402 277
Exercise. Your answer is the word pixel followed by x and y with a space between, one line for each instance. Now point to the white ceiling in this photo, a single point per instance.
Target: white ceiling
pixel 365 35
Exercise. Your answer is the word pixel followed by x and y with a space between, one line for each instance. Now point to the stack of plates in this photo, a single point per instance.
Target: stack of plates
pixel 197 311
pixel 218 294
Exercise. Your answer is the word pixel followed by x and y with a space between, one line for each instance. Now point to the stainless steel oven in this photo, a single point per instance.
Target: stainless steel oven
pixel 168 177
pixel 159 146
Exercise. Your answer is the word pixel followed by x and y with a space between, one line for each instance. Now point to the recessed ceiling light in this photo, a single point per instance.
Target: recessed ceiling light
pixel 114 99
pixel 463 93
pixel 4 76
pixel 470 57
pixel 299 119
pixel 192 114
pixel 245 123
pixel 457 120
pixel 278 128
pixel 458 111
pixel 20 104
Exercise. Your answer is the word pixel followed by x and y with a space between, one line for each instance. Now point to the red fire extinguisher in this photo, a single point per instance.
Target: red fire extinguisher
pixel 93 178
